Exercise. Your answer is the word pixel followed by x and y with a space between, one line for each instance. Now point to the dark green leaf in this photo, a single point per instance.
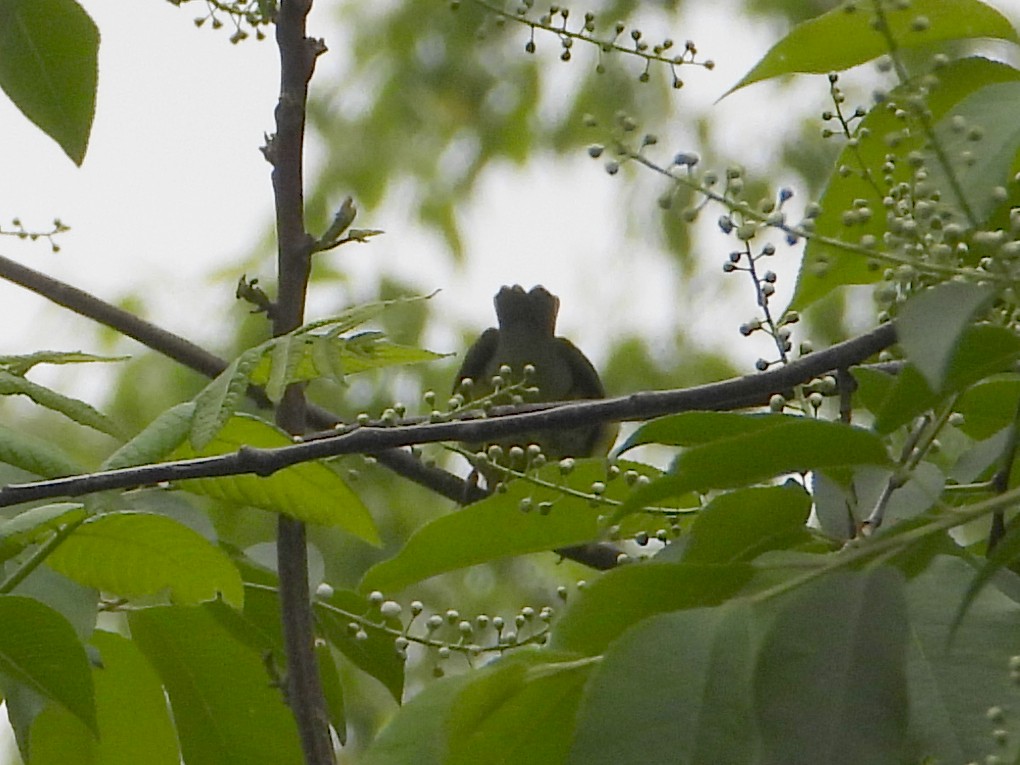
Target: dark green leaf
pixel 795 444
pixel 931 323
pixel 742 524
pixel 847 36
pixel 622 597
pixel 48 53
pixel 832 665
pixel 675 688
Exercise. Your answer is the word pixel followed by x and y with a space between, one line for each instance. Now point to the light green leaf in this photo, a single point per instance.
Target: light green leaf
pixel 219 400
pixel 627 595
pixel 310 491
pixel 48 54
pixel 22 364
pixel 136 554
pixel 836 652
pixel 157 439
pixel 34 524
pixel 827 266
pixel 794 444
pixel 33 455
pixel 129 700
pixel 497 527
pixel 931 323
pixel 225 707
pixel 847 36
pixel 40 650
pixel 675 687
pixel 72 408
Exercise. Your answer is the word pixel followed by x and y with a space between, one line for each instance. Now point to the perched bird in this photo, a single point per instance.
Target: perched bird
pixel 550 367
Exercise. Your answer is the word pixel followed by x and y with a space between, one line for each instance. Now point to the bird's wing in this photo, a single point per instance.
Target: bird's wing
pixel 585 382
pixel 478 357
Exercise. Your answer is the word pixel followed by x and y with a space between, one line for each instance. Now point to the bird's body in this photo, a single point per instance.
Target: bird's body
pixel 526 338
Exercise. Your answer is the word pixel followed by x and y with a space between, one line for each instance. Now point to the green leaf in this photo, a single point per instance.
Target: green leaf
pixel 952 685
pixel 33 525
pixel 741 525
pixel 135 554
pixel 931 323
pixel 694 428
pixel 793 444
pixel 989 406
pixel 497 527
pixel 846 36
pixel 417 732
pixel 980 166
pixel 40 650
pixel 524 711
pixel 332 690
pixel 310 491
pixel 134 722
pixel 23 364
pixel 48 53
pixel 675 687
pixel 375 653
pixel 224 704
pixel 156 440
pixel 218 401
pixel 827 266
pixel 627 595
pixel 981 351
pixel 835 654
pixel 34 455
pixel 72 408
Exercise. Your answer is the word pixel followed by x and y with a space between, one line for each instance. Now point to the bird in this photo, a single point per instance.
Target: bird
pixel 525 351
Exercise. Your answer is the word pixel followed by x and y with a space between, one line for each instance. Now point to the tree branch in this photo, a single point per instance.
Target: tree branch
pixel 729 394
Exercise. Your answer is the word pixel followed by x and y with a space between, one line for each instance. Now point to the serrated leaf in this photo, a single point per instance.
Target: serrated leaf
pixel 497 527
pixel 310 491
pixel 48 55
pixel 33 455
pixel 40 650
pixel 136 554
pixel 284 355
pixel 224 705
pixel 793 445
pixel 22 364
pixel 931 323
pixel 158 439
pixel 72 408
pixel 34 524
pixel 826 266
pixel 847 36
pixel 217 402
